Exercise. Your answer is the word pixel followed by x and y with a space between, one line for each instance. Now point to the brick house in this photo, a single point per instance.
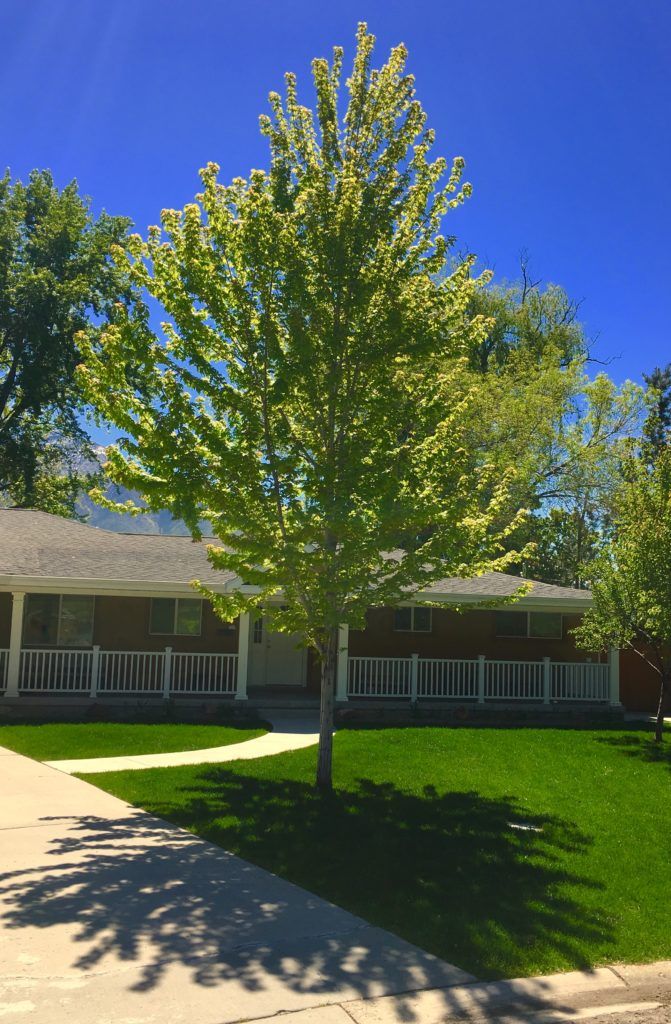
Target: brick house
pixel 88 613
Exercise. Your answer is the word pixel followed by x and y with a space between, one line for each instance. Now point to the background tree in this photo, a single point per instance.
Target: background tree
pixel 564 430
pixel 56 278
pixel 310 394
pixel 657 427
pixel 631 577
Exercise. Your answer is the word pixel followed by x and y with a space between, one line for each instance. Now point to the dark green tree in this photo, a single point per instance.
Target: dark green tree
pixel 657 427
pixel 57 279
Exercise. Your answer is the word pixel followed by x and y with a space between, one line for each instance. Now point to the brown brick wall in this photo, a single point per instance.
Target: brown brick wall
pixel 456 635
pixel 122 623
pixel 639 685
pixel 5 618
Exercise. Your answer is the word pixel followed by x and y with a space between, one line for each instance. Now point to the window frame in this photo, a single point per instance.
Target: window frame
pixel 175 600
pixel 59 618
pixel 529 635
pixel 412 608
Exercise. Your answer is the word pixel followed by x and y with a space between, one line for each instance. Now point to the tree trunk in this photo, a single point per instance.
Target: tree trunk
pixel 661 708
pixel 325 756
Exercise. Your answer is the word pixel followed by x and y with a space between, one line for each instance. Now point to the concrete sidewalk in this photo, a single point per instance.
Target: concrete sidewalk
pixel 110 915
pixel 287 734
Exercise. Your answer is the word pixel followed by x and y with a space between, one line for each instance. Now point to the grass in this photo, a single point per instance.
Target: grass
pixel 53 741
pixel 508 852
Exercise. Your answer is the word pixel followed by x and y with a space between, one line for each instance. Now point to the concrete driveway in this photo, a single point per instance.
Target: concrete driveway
pixel 110 915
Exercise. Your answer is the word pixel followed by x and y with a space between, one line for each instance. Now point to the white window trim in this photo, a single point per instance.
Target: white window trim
pixel 175 600
pixel 529 635
pixel 412 629
pixel 73 647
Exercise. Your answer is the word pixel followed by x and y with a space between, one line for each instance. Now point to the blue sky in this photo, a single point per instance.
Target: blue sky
pixel 560 108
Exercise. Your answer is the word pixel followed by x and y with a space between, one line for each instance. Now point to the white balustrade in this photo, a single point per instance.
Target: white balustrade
pixel 55 670
pixel 448 678
pixel 131 672
pixel 587 680
pixel 479 679
pixel 379 677
pixel 513 680
pixel 152 673
pixel 204 673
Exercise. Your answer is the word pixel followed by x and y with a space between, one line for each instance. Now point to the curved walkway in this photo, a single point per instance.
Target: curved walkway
pixel 287 734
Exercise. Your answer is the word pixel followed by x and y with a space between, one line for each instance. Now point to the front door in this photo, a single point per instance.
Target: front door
pixel 275 659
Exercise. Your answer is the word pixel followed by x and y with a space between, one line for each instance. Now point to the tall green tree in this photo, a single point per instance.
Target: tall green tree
pixel 57 279
pixel 310 393
pixel 657 426
pixel 565 430
pixel 631 577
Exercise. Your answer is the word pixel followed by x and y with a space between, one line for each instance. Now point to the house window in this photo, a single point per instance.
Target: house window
pixel 257 632
pixel 58 620
pixel 541 625
pixel 176 616
pixel 410 619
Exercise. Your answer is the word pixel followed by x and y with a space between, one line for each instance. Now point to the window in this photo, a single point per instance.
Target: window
pixel 257 632
pixel 547 625
pixel 542 625
pixel 409 619
pixel 176 616
pixel 58 620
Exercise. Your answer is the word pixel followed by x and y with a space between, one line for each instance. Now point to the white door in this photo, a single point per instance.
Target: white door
pixel 275 659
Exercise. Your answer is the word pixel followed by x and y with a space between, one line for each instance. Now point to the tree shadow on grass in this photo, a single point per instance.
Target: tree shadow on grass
pixel 468 878
pixel 641 746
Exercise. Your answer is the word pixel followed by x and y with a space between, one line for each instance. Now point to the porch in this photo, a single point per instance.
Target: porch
pixel 169 675
pixel 112 648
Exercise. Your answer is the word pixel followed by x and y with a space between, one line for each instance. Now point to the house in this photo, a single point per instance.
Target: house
pixel 88 613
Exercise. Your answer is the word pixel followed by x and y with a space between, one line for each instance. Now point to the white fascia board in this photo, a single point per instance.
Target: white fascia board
pixel 172 588
pixel 102 587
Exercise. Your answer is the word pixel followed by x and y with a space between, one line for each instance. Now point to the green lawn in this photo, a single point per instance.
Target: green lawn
pixel 421 838
pixel 52 741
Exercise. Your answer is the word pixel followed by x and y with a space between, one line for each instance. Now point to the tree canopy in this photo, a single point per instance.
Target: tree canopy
pixel 310 392
pixel 631 577
pixel 57 278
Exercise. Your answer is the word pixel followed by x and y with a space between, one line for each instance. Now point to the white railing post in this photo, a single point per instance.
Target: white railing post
pixel 167 672
pixel 614 677
pixel 244 626
pixel 547 680
pixel 414 677
pixel 343 659
pixel 481 679
pixel 95 669
pixel 15 636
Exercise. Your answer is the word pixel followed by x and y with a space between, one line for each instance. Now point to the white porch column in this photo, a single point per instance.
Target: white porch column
pixel 343 661
pixel 614 677
pixel 16 632
pixel 244 626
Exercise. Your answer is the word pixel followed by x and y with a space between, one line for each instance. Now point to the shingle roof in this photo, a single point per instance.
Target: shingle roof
pixel 501 584
pixel 40 544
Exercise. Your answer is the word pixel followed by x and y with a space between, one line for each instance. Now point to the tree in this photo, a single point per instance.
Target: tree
pixel 309 394
pixel 631 577
pixel 559 544
pixel 657 427
pixel 565 431
pixel 56 278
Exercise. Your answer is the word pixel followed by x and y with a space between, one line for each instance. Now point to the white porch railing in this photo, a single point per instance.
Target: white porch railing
pixel 58 671
pixel 129 672
pixel 580 681
pixel 204 673
pixel 97 672
pixel 478 679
